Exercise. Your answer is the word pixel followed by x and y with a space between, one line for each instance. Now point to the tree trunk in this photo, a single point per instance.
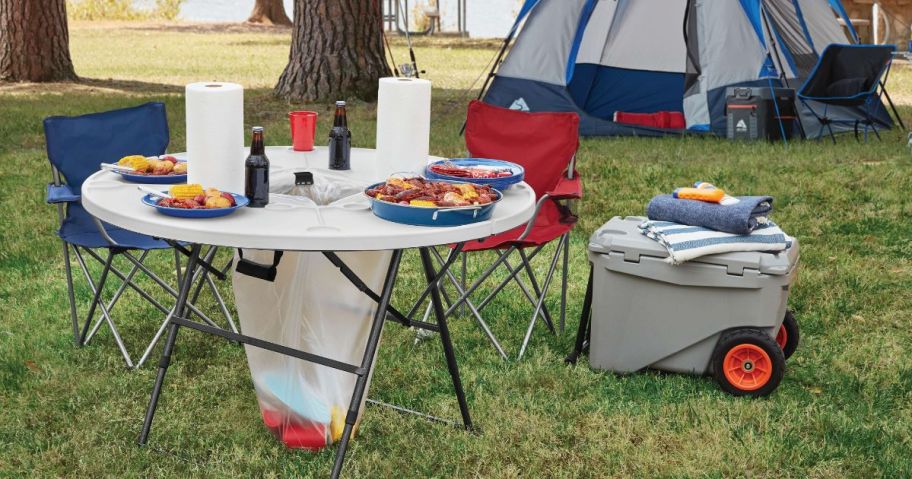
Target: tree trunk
pixel 336 51
pixel 269 12
pixel 34 41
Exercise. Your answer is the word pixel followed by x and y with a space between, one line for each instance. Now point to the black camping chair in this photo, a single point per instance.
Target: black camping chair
pixel 848 75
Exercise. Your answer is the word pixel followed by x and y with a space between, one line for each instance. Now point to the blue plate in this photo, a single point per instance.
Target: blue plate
pixel 427 216
pixel 240 202
pixel 497 183
pixel 155 179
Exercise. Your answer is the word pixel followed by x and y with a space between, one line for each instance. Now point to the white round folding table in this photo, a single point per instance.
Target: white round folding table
pixel 289 225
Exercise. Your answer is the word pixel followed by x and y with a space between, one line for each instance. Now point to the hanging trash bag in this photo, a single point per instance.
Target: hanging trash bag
pixel 300 300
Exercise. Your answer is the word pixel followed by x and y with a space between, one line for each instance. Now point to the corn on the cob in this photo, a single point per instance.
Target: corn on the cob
pixel 467 190
pixel 137 162
pixel 399 182
pixel 186 191
pixel 422 203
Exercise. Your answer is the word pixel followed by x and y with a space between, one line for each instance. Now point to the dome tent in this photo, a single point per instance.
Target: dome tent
pixel 598 57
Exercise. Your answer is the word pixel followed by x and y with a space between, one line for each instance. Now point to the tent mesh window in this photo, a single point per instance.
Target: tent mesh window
pixel 792 34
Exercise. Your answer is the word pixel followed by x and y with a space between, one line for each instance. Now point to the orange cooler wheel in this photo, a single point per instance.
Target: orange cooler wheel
pixel 747 362
pixel 788 335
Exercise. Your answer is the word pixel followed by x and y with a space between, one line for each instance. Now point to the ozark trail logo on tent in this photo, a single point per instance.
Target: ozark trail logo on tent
pixel 741 126
pixel 519 104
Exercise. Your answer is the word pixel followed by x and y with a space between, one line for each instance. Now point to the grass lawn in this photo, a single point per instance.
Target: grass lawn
pixel 844 408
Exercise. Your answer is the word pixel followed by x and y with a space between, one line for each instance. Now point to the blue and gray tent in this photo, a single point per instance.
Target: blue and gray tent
pixel 598 57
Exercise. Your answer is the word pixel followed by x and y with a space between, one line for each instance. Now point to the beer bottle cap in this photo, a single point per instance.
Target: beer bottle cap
pixel 340 103
pixel 257 129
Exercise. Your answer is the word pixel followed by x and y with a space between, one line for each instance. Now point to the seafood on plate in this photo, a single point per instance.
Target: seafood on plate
pixel 156 166
pixel 418 191
pixel 449 168
pixel 193 196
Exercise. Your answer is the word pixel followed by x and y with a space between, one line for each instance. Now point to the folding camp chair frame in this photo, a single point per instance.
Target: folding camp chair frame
pixel 537 300
pixel 878 92
pixel 82 335
pixel 826 122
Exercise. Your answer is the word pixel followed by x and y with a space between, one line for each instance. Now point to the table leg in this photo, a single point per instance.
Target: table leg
pixel 431 275
pixel 180 307
pixel 370 351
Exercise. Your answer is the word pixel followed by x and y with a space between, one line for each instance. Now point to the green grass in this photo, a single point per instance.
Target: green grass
pixel 844 408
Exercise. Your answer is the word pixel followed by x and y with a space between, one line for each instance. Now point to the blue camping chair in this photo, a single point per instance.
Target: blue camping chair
pixel 75 147
pixel 848 76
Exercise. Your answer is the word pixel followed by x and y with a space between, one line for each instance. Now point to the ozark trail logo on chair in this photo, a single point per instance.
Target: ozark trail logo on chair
pixel 519 104
pixel 741 126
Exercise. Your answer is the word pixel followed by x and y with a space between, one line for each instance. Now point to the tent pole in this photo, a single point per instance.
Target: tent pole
pixel 500 54
pixel 782 76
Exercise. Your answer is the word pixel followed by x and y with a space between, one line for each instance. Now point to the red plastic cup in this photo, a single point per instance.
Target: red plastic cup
pixel 303 129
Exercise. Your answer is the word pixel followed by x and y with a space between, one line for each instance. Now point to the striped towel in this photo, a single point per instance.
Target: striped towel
pixel 685 243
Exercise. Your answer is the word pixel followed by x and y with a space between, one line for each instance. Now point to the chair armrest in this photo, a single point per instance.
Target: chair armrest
pixel 531 223
pixel 60 194
pixel 567 188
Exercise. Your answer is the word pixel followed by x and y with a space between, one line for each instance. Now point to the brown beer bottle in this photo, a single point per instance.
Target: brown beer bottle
pixel 256 171
pixel 340 140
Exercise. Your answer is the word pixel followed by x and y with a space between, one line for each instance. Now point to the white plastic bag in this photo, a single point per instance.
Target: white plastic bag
pixel 312 307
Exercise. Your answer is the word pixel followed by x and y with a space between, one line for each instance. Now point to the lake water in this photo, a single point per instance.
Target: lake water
pixel 484 18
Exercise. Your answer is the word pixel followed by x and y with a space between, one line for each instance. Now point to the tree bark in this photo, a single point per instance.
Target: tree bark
pixel 269 12
pixel 336 51
pixel 34 41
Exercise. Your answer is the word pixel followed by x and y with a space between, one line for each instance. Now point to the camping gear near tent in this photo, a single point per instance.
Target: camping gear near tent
pixel 848 75
pixel 718 314
pixel 755 113
pixel 599 57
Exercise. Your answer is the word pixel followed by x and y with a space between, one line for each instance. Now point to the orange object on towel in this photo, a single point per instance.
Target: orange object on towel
pixel 711 195
pixel 660 119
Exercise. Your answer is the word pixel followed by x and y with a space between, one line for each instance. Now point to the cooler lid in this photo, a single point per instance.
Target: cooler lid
pixel 621 235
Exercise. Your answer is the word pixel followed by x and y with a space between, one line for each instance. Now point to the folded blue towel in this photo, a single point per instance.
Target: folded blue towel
pixel 738 218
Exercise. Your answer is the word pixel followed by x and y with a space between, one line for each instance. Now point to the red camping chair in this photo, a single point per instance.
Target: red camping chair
pixel 545 145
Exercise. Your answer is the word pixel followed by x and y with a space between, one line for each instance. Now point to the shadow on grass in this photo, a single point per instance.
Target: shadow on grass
pixel 90 86
pixel 187 27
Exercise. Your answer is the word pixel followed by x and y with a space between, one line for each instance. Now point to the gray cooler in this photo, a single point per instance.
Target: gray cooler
pixel 649 313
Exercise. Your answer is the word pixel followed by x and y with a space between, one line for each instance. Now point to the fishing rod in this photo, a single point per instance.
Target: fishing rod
pixel 386 42
pixel 413 70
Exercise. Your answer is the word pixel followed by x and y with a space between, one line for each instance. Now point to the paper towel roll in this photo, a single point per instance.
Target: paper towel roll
pixel 403 125
pixel 215 135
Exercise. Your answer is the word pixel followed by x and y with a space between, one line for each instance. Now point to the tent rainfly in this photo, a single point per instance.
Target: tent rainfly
pixel 598 57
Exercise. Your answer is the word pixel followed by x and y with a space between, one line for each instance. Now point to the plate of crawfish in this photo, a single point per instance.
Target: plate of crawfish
pixel 422 202
pixel 495 173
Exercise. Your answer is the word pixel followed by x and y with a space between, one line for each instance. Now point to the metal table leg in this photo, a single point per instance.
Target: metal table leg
pixel 370 352
pixel 430 274
pixel 180 307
